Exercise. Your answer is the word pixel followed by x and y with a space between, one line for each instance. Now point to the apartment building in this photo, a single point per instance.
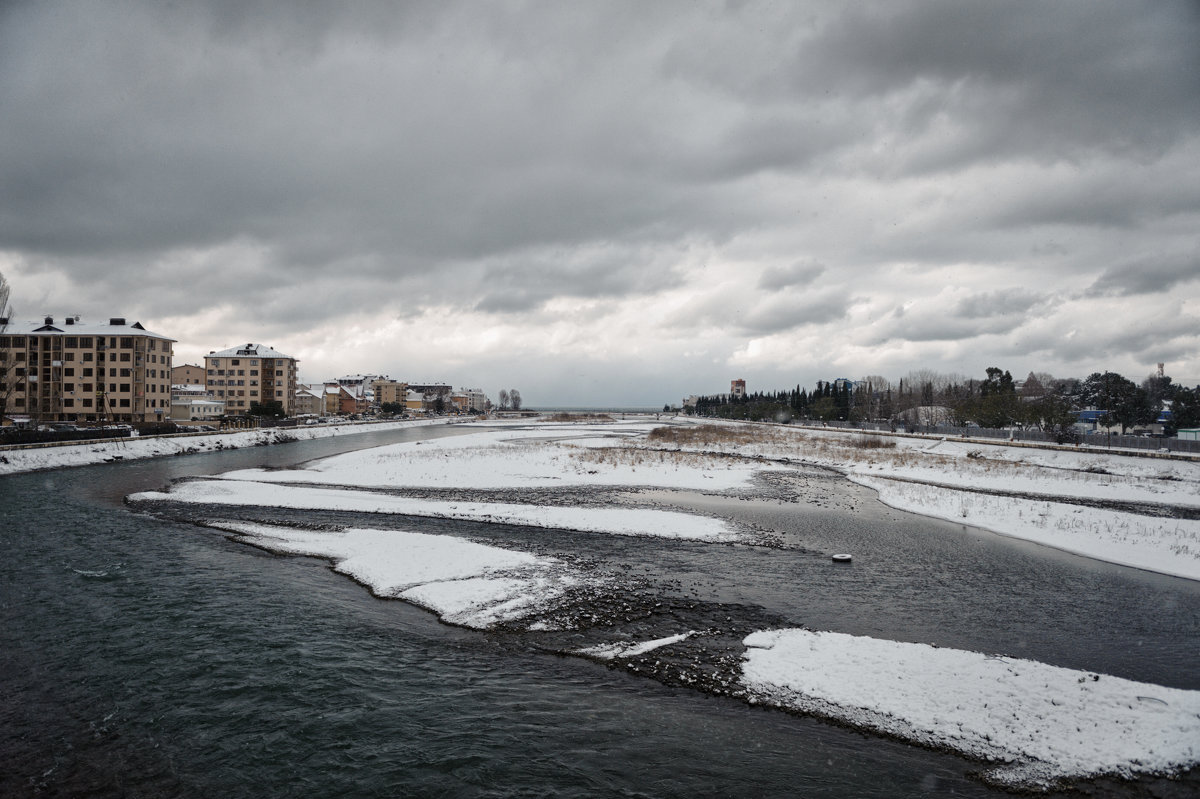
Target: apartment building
pixel 254 373
pixel 75 371
pixel 477 401
pixel 388 391
pixel 187 374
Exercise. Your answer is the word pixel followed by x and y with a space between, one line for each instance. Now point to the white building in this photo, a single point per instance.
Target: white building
pixel 476 399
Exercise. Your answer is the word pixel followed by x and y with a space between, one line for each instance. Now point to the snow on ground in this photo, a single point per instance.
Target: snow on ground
pixel 464 583
pixel 1165 545
pixel 1032 722
pixel 59 456
pixel 616 521
pixel 552 455
pixel 1042 722
pixel 944 479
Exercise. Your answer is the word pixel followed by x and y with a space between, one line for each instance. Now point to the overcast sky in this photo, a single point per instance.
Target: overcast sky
pixel 614 203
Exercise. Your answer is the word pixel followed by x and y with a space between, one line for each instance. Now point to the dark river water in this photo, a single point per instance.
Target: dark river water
pixel 143 656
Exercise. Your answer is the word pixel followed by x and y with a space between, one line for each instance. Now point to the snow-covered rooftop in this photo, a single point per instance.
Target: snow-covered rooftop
pixel 249 351
pixel 50 326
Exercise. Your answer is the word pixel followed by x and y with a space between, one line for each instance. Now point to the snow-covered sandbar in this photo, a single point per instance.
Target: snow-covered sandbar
pixel 1038 723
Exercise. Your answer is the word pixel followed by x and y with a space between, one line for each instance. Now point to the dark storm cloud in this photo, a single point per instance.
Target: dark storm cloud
pixel 1005 302
pixel 780 314
pixel 1148 275
pixel 375 158
pixel 798 274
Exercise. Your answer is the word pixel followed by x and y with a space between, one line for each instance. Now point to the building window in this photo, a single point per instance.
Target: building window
pixel 87 372
pixel 125 356
pixel 68 403
pixel 235 362
pixel 71 341
pixel 124 403
pixel 125 388
pixel 87 356
pixel 87 403
pixel 126 373
pixel 88 388
pixel 86 341
pixel 68 372
pixel 68 386
pixel 126 342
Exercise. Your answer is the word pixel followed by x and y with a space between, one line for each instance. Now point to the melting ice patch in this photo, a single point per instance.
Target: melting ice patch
pixel 1044 723
pixel 616 521
pixel 465 583
pixel 625 650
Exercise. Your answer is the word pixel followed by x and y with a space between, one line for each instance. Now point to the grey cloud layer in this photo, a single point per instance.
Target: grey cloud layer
pixel 495 157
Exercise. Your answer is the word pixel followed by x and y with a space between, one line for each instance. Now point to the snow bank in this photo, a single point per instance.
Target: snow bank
pixel 1164 545
pixel 1044 723
pixel 548 455
pixel 465 583
pixel 14 461
pixel 946 479
pixel 615 521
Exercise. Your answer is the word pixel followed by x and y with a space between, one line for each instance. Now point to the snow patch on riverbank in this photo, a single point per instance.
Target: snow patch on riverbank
pixel 464 583
pixel 613 521
pixel 547 455
pixel 1042 723
pixel 945 479
pixel 1164 545
pixel 33 459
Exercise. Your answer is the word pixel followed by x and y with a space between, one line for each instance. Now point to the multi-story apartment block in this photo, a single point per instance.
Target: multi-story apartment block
pixel 187 374
pixel 73 371
pixel 476 400
pixel 737 388
pixel 254 373
pixel 388 391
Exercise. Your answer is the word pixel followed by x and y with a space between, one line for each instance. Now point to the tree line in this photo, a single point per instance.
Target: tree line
pixel 928 398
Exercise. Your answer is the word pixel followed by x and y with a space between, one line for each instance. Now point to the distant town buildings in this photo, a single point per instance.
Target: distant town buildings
pixel 737 388
pixel 74 371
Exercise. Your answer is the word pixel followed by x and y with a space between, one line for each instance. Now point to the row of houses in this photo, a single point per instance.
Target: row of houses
pixel 67 370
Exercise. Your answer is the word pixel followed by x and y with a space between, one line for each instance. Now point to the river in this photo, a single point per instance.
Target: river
pixel 146 656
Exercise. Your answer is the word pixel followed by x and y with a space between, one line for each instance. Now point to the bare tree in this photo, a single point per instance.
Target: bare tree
pixel 514 397
pixel 503 398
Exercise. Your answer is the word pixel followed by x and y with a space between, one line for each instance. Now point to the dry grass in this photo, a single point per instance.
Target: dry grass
pixel 562 416
pixel 635 457
pixel 872 442
pixel 706 434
